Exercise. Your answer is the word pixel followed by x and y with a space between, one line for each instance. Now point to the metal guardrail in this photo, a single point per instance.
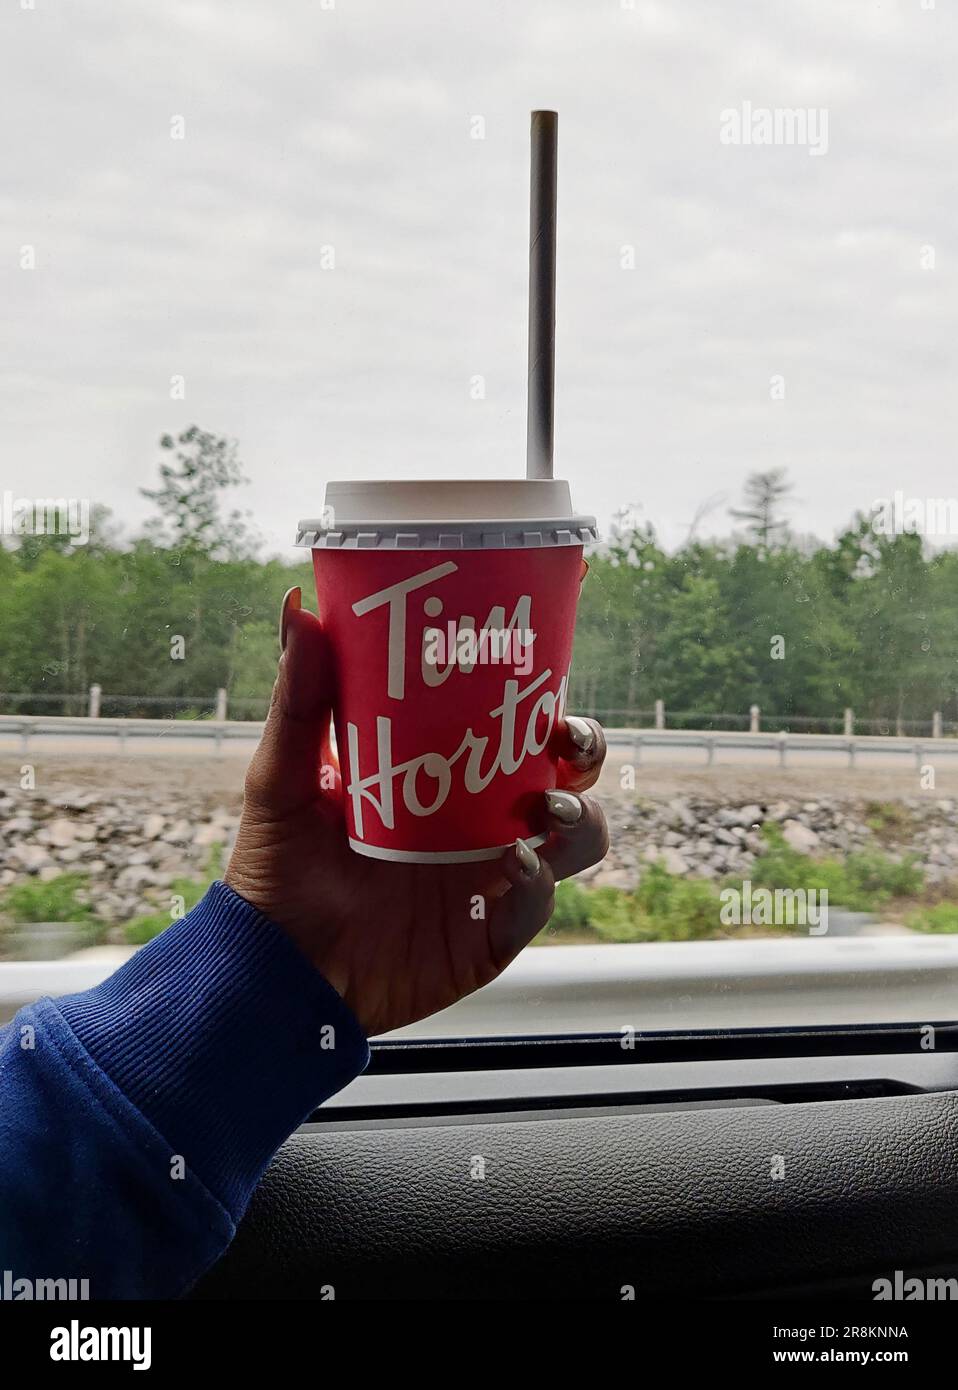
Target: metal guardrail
pixel 797 981
pixel 38 726
pixel 919 748
pixel 27 727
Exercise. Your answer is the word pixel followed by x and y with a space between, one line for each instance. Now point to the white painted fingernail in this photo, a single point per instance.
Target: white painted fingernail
pixel 292 602
pixel 581 733
pixel 528 859
pixel 564 806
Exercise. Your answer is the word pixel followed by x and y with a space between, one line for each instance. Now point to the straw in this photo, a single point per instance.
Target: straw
pixel 540 426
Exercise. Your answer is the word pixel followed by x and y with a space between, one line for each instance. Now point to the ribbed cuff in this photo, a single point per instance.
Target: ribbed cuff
pixel 224 1037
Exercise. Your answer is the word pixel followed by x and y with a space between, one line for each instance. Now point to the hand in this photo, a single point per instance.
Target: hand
pixel 398 941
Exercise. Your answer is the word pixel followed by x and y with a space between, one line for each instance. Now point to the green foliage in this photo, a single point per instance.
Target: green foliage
pixel 670 907
pixel 571 912
pixel 52 901
pixel 888 819
pixel 941 918
pixel 869 621
pixel 191 890
pixel 664 907
pixel 188 498
pixel 863 882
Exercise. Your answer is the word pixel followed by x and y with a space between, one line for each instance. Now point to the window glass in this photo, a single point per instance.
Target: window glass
pixel 246 250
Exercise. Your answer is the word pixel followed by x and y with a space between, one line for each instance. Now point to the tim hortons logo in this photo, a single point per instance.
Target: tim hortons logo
pixel 478 758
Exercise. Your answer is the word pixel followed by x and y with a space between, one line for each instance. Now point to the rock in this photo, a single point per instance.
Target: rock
pixel 60 832
pixel 152 827
pixel 614 878
pixel 29 857
pixel 207 835
pixel 80 800
pixel 132 879
pixel 744 816
pixel 180 833
pixel 725 837
pixel 681 814
pixel 20 825
pixel 669 858
pixel 799 838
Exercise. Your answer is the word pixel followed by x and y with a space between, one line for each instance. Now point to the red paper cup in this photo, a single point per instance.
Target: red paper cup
pixel 452 639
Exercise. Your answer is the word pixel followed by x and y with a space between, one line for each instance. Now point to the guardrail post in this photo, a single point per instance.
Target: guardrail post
pixel 636 750
pixel 936 724
pixel 918 756
pixel 754 717
pixel 849 722
pixel 851 752
pixel 660 714
pixel 93 709
pixel 220 704
pixel 782 745
pixel 710 745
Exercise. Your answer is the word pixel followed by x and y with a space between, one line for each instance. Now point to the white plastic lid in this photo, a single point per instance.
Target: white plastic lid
pixel 451 514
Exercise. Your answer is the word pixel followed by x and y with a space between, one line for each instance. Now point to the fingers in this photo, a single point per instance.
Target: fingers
pixel 581 746
pixel 578 838
pixel 287 768
pixel 526 906
pixel 579 835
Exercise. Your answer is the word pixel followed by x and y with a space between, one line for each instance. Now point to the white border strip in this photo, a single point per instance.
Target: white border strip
pixel 443 856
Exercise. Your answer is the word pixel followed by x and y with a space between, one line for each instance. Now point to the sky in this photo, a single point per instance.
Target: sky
pixel 282 213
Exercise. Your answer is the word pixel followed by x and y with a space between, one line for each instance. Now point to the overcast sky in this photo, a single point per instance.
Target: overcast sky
pixel 352 127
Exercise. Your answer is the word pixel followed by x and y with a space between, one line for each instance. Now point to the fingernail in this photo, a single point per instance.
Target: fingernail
pixel 564 806
pixel 528 859
pixel 581 733
pixel 292 602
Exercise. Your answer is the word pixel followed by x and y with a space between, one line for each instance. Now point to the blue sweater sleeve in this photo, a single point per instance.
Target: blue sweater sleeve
pixel 136 1118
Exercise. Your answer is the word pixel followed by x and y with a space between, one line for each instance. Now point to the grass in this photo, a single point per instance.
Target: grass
pixel 670 907
pixel 940 918
pixel 60 899
pixel 888 820
pixel 865 881
pixel 185 893
pixel 54 900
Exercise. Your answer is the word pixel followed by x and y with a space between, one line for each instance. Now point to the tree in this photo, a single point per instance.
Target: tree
pixel 763 492
pixel 204 466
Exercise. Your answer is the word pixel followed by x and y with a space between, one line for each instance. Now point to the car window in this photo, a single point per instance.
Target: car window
pixel 244 256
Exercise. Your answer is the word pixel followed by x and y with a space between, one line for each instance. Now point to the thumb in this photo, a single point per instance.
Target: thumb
pixel 286 770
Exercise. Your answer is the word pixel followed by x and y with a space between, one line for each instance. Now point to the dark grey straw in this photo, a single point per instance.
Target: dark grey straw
pixel 542 295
